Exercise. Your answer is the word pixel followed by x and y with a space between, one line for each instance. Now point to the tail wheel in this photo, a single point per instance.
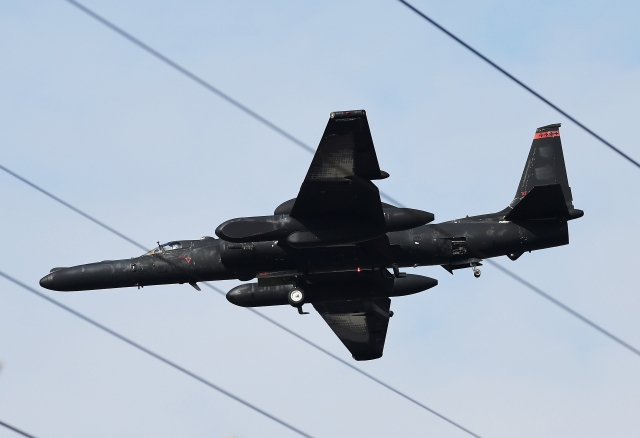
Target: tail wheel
pixel 476 273
pixel 296 297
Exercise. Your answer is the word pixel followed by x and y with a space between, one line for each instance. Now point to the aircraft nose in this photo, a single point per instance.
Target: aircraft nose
pixel 55 280
pixel 102 275
pixel 47 282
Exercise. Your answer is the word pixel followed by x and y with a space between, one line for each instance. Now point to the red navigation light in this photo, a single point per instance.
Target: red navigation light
pixel 358 269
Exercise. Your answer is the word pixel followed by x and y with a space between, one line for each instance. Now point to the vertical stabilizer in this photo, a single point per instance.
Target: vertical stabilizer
pixel 545 165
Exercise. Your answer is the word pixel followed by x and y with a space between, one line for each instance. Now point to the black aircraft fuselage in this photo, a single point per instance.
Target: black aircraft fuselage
pixel 334 244
pixel 209 259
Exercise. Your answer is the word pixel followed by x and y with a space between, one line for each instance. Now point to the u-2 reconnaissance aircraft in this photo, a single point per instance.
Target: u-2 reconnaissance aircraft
pixel 338 247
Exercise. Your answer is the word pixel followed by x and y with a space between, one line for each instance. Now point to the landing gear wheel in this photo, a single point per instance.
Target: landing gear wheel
pixel 476 273
pixel 296 297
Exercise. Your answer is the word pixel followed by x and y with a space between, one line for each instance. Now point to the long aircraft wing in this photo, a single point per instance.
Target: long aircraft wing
pixel 361 325
pixel 339 178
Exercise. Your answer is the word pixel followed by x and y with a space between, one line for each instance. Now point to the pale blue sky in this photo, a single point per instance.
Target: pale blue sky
pixel 103 125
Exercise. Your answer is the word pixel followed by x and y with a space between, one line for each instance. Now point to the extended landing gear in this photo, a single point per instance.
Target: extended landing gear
pixel 296 299
pixel 396 271
pixel 476 271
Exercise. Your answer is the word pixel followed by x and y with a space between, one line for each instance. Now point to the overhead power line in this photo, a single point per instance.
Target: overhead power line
pixel 191 76
pixel 153 354
pixel 199 81
pixel 519 82
pixel 16 430
pixel 564 307
pixel 71 207
pixel 369 376
pixel 302 144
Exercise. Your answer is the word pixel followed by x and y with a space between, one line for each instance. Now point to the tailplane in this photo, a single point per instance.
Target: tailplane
pixel 544 191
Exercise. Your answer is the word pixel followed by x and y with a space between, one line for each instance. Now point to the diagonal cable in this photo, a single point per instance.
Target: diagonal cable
pixel 16 430
pixel 199 81
pixel 302 338
pixel 71 207
pixel 520 83
pixel 300 143
pixel 153 354
pixel 190 75
pixel 344 362
pixel 564 307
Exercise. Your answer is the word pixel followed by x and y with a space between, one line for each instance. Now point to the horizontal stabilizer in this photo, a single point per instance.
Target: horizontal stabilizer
pixel 542 202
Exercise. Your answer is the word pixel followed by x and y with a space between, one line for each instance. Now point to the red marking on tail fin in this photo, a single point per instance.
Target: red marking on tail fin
pixel 546 134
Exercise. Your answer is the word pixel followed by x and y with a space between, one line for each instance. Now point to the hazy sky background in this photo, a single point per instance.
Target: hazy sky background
pixel 92 118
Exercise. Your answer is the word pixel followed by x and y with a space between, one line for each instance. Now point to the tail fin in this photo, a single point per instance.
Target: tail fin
pixel 545 167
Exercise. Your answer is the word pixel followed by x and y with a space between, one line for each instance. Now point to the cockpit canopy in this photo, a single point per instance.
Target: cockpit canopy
pixel 169 246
